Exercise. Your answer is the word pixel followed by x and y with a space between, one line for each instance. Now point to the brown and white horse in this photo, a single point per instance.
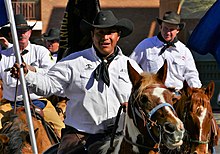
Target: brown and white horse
pixel 195 110
pixel 150 118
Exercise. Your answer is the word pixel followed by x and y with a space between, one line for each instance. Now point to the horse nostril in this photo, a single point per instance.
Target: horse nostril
pixel 169 127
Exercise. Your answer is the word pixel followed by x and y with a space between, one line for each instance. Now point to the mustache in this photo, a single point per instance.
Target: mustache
pixel 20 37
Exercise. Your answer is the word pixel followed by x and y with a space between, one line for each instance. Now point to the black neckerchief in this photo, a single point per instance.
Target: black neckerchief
pixel 166 44
pixel 53 53
pixel 24 52
pixel 101 72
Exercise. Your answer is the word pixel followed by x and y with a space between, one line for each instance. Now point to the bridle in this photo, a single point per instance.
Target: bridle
pixel 148 122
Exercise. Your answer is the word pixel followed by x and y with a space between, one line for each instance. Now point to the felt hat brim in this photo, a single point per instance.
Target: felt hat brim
pixel 50 38
pixel 181 24
pixel 124 25
pixel 53 34
pixel 25 26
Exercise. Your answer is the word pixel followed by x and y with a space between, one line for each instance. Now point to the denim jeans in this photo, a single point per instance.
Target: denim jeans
pixel 39 103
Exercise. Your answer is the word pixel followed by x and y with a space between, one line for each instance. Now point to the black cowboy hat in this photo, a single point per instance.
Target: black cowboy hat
pixel 106 19
pixel 53 34
pixel 21 23
pixel 171 18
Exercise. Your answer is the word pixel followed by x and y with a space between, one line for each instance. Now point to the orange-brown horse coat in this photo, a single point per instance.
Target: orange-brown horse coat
pixel 195 110
pixel 15 137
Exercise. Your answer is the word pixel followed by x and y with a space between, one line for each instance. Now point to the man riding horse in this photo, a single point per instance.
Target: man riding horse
pixel 37 59
pixel 95 80
pixel 151 53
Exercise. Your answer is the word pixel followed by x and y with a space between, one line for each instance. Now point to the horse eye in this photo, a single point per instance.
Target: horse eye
pixel 175 98
pixel 144 99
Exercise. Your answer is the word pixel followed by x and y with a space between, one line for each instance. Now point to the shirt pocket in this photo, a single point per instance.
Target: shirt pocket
pixel 125 85
pixel 152 62
pixel 86 80
pixel 179 66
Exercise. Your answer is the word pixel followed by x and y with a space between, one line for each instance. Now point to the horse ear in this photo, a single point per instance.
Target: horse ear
pixel 133 74
pixel 186 89
pixel 185 86
pixel 210 89
pixel 162 73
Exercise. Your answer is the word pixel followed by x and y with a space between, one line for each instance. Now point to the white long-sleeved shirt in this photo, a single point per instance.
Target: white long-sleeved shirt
pixel 37 56
pixel 181 65
pixel 92 105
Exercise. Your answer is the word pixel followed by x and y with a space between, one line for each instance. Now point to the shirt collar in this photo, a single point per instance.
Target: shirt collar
pixel 159 36
pixel 28 47
pixel 94 53
pixel 161 44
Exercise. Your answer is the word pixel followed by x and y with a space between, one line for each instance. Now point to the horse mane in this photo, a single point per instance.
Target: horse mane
pixel 196 94
pixel 15 128
pixel 193 94
pixel 17 137
pixel 146 80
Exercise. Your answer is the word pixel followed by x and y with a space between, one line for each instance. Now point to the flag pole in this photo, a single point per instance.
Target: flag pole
pixel 10 14
pixel 180 6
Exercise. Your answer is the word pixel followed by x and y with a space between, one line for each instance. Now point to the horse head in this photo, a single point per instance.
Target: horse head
pixel 195 111
pixel 14 135
pixel 151 119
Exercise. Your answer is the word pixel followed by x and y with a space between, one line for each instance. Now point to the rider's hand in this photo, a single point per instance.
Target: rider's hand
pixel 4 42
pixel 31 68
pixel 15 70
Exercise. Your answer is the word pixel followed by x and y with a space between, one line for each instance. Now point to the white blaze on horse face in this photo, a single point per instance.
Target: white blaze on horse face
pixel 159 93
pixel 201 119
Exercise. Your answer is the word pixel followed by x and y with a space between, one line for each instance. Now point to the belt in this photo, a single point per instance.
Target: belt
pixel 70 130
pixel 87 138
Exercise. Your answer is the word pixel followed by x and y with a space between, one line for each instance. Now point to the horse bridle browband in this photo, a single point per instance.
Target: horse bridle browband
pixel 158 107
